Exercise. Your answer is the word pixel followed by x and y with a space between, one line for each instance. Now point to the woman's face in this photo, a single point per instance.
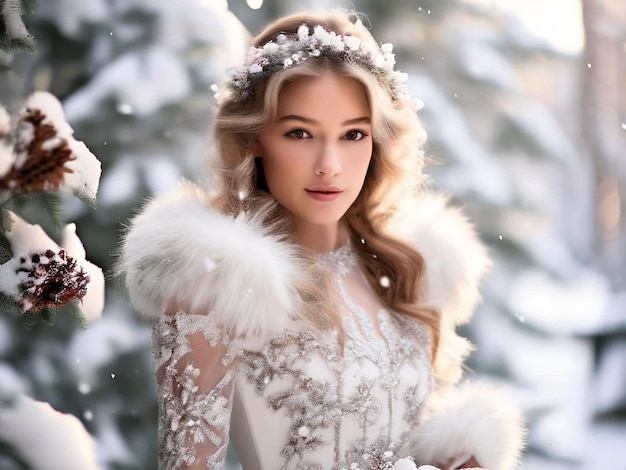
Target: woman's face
pixel 316 153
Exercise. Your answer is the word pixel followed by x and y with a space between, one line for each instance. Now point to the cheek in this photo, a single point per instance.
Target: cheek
pixel 280 169
pixel 291 158
pixel 276 151
pixel 271 155
pixel 276 165
pixel 360 160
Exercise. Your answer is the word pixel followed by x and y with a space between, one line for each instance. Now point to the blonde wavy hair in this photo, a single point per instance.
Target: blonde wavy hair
pixel 394 173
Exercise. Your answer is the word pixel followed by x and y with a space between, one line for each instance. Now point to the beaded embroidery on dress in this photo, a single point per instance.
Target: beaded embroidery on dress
pixel 327 406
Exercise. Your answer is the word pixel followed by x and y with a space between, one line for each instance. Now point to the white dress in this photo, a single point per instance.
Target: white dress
pixel 299 396
pixel 300 400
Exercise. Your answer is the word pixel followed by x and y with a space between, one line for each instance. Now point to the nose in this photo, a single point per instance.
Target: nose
pixel 328 161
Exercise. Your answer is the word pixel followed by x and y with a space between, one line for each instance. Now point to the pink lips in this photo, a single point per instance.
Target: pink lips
pixel 324 193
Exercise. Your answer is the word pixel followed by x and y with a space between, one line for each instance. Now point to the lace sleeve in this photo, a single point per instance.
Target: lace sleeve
pixel 195 375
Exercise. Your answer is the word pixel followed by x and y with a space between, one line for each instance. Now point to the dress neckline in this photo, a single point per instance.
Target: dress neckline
pixel 343 258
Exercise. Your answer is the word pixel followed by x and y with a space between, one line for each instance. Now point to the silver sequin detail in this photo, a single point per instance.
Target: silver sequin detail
pixel 347 407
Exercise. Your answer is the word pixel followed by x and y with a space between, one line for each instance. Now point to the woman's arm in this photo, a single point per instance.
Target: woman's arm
pixel 195 375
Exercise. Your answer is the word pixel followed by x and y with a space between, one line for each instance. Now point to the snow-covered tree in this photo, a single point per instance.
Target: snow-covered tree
pixel 13 33
pixel 40 278
pixel 135 79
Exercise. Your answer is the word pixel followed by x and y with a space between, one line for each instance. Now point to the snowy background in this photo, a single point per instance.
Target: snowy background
pixel 525 107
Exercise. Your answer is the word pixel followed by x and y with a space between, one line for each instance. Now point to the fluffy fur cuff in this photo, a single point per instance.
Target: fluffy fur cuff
pixel 470 420
pixel 179 253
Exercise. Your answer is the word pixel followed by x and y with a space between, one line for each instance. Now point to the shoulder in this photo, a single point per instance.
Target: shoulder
pixel 455 257
pixel 179 251
pixel 455 261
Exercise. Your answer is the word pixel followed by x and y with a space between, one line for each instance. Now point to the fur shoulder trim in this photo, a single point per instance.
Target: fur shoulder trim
pixel 455 262
pixel 454 256
pixel 180 253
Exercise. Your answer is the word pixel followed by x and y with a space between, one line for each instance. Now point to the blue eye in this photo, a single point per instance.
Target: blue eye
pixel 354 135
pixel 298 134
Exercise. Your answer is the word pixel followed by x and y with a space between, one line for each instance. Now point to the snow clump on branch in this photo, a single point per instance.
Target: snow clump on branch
pixel 45 156
pixel 43 274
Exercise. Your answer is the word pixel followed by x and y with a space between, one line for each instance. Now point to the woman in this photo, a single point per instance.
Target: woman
pixel 308 305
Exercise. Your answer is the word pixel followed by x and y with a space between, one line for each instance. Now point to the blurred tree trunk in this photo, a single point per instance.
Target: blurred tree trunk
pixel 604 129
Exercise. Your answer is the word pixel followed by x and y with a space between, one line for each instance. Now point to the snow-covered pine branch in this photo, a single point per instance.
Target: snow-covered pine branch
pixel 44 438
pixel 42 274
pixel 42 155
pixel 14 33
pixel 46 157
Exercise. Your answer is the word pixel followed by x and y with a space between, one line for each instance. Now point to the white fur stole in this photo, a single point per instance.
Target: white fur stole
pixel 181 254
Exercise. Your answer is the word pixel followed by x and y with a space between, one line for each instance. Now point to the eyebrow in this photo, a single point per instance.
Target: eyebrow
pixel 296 117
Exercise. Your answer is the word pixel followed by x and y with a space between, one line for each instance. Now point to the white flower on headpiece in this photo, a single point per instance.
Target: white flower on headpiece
pixel 405 463
pixel 315 52
pixel 322 35
pixel 269 48
pixel 368 50
pixel 386 48
pixel 378 60
pixel 352 42
pixel 281 38
pixel 389 61
pixel 303 32
pixel 288 62
pixel 255 68
pixel 388 57
pixel 336 42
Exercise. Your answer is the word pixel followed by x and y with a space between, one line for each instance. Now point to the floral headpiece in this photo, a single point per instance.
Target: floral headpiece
pixel 285 51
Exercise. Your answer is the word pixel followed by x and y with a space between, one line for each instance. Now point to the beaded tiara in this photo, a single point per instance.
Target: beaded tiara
pixel 287 51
